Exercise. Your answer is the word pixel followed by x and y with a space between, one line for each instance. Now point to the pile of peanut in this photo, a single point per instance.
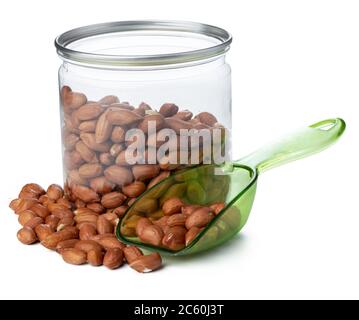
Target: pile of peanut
pixel 94 145
pixel 179 225
pixel 80 232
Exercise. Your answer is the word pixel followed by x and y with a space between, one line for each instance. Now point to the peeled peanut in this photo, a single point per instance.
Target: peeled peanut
pixel 86 153
pixel 19 205
pixel 32 223
pixel 147 263
pixel 26 216
pixel 101 185
pixel 172 205
pixel 88 245
pixel 52 221
pixel 174 238
pixel 87 231
pixel 191 234
pixel 104 226
pixel 71 99
pixel 74 256
pixel 118 135
pixel 151 234
pixel 189 209
pixel 90 170
pixel 156 120
pixel 65 222
pixel 66 244
pixel 113 258
pixel 143 172
pixel 52 240
pixel 110 99
pixel 134 189
pixel 95 258
pixel 132 253
pixel 206 118
pixel 84 193
pixel 113 200
pixel 43 231
pixel 26 236
pixel 110 243
pixel 141 224
pixel 64 202
pixel 177 219
pixel 119 175
pixel 96 207
pixel 200 218
pixel 168 109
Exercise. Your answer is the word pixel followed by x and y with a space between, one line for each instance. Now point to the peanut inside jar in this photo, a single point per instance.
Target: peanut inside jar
pixel 114 152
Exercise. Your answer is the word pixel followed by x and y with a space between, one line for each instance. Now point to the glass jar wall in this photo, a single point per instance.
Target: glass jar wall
pixel 139 100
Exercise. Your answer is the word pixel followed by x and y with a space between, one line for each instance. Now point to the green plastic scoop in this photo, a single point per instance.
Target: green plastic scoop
pixel 235 184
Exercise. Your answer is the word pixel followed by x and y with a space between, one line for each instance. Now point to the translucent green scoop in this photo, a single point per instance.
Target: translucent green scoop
pixel 235 184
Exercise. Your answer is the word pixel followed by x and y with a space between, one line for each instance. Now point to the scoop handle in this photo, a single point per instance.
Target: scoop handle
pixel 299 144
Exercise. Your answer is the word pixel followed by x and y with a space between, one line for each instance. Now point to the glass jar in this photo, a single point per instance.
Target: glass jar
pixel 166 79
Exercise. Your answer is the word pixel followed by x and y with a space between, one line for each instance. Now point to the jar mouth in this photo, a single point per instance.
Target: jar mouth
pixel 142 43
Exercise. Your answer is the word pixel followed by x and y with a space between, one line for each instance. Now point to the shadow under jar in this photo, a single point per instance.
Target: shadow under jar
pixel 140 100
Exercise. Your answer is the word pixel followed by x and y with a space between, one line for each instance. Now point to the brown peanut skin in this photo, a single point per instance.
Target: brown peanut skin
pixel 132 253
pixel 32 223
pixel 88 245
pixel 26 216
pixel 87 231
pixel 191 234
pixel 174 238
pixel 74 256
pixel 52 240
pixel 104 226
pixel 95 258
pixel 43 231
pixel 66 244
pixel 26 236
pixel 113 258
pixel 172 205
pixel 142 224
pixel 151 234
pixel 55 192
pixel 199 218
pixel 147 263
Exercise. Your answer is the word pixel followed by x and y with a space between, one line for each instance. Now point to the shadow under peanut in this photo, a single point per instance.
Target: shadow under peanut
pixel 230 247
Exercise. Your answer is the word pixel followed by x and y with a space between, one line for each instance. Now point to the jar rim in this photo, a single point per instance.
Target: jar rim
pixel 63 41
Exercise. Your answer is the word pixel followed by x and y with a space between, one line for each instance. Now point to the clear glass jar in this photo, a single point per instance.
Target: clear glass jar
pixel 160 75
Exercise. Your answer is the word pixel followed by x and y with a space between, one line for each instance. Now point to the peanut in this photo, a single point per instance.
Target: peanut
pixel 199 218
pixel 104 226
pixel 74 256
pixel 32 223
pixel 26 216
pixel 52 240
pixel 43 231
pixel 172 205
pixel 113 258
pixel 66 244
pixel 95 258
pixel 151 234
pixel 26 236
pixel 87 231
pixel 147 263
pixel 113 199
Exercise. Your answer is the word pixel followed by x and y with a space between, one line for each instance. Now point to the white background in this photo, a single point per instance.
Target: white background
pixel 293 63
